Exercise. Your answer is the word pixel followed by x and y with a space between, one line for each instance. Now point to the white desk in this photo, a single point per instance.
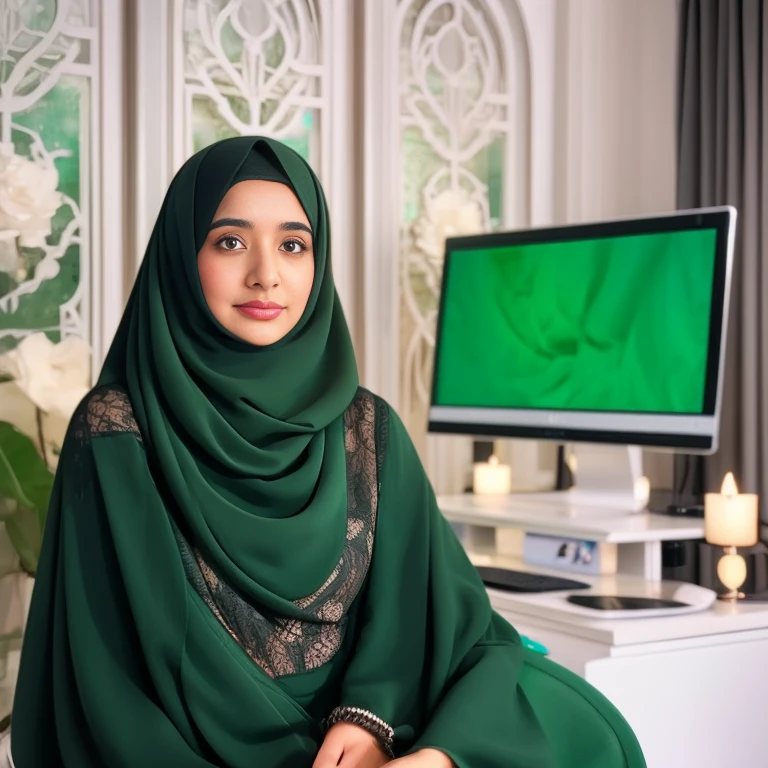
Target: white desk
pixel 638 534
pixel 692 687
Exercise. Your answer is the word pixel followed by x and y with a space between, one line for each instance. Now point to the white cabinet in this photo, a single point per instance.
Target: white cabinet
pixel 691 686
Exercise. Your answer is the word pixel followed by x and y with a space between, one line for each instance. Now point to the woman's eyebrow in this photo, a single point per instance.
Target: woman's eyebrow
pixel 286 226
pixel 293 226
pixel 240 223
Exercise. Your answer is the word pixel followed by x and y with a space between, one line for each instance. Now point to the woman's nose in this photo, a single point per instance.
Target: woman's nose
pixel 264 271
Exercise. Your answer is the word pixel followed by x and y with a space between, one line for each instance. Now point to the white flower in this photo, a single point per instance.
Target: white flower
pixel 55 377
pixel 449 214
pixel 28 198
pixel 48 376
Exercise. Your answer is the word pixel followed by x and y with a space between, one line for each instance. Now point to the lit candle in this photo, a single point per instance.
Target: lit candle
pixel 730 517
pixel 492 478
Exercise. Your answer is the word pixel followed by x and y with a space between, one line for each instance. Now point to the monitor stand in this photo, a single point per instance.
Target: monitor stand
pixel 607 478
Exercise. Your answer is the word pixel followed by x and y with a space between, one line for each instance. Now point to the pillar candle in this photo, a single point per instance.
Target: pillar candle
pixel 491 477
pixel 730 517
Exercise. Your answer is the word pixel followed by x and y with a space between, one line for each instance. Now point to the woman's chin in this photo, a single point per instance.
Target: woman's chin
pixel 260 333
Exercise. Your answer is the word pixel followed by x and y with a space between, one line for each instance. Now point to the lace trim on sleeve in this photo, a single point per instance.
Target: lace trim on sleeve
pixel 109 411
pixel 105 411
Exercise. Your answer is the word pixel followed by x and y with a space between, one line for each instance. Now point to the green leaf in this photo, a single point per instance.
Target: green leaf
pixel 24 477
pixel 26 535
pixel 25 491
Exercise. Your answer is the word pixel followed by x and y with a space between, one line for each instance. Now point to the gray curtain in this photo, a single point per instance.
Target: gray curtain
pixel 723 158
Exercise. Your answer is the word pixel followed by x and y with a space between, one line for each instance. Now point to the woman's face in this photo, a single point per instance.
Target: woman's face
pixel 256 265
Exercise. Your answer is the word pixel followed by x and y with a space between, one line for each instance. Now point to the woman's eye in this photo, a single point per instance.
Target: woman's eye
pixel 293 246
pixel 229 243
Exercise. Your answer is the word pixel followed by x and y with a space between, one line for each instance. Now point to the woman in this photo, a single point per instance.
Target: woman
pixel 244 564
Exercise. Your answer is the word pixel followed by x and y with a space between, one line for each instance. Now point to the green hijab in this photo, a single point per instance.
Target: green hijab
pixel 246 441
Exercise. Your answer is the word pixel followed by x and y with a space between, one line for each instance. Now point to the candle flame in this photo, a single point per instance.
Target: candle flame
pixel 492 460
pixel 729 487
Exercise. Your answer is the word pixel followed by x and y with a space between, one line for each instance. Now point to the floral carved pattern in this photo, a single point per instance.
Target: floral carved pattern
pixel 46 69
pixel 253 68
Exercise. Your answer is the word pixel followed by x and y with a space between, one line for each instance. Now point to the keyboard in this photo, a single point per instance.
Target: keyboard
pixel 523 581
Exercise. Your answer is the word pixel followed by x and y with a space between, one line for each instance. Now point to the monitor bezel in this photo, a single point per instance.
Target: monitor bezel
pixel 720 218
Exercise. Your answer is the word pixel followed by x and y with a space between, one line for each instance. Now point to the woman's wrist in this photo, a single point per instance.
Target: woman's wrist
pixel 362 718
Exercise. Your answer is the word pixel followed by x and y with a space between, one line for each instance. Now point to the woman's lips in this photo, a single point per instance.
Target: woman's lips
pixel 260 310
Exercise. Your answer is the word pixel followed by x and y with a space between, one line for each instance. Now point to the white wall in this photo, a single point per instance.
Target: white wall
pixel 619 72
pixel 615 144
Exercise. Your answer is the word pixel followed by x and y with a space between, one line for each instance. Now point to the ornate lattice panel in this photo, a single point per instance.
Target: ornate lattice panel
pixel 253 68
pixel 48 89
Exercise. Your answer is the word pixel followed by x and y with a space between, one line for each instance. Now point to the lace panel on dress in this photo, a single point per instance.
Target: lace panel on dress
pixel 278 645
pixel 283 646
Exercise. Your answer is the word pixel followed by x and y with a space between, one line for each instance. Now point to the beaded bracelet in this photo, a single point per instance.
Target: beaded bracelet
pixel 367 720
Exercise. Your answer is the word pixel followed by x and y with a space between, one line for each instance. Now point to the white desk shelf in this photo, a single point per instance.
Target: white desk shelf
pixel 639 534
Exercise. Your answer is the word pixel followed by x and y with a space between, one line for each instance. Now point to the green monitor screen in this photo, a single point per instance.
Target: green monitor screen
pixel 606 332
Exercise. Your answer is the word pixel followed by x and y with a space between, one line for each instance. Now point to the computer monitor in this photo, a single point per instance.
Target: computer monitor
pixel 602 333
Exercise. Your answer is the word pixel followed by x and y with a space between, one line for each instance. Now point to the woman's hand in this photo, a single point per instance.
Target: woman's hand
pixel 424 758
pixel 350 746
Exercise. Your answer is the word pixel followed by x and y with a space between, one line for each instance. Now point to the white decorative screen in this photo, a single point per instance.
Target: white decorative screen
pixel 253 68
pixel 49 137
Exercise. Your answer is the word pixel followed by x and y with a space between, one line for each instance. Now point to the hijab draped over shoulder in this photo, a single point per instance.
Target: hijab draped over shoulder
pixel 245 438
pixel 240 539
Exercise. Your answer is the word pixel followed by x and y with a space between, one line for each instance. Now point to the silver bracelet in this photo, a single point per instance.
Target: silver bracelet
pixel 383 732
